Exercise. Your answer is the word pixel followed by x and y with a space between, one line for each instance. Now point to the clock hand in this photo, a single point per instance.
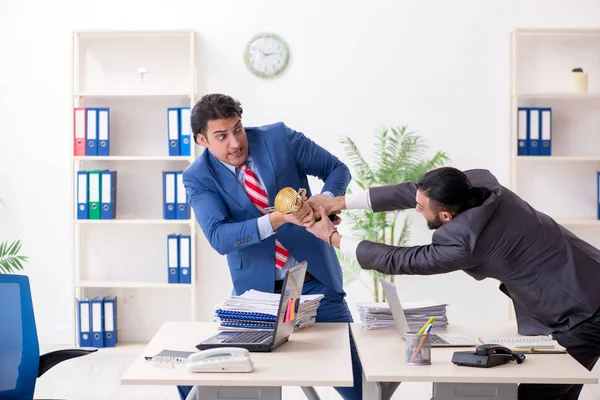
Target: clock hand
pixel 270 54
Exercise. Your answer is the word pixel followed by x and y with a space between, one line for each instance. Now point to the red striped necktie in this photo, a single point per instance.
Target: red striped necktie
pixel 258 195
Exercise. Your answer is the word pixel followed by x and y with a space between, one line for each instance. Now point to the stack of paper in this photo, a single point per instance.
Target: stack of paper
pixel 379 315
pixel 257 310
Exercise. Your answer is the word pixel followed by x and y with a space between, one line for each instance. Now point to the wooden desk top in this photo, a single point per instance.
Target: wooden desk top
pixel 318 355
pixel 382 354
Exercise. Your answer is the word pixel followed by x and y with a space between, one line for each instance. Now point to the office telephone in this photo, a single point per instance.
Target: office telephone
pixel 221 359
pixel 487 355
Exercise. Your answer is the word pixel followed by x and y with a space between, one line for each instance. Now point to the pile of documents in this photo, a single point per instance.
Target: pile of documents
pixel 256 310
pixel 379 315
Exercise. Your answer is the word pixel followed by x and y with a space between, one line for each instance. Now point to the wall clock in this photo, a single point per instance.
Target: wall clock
pixel 266 55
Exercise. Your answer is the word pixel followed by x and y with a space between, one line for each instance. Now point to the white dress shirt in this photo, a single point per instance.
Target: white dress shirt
pixel 354 201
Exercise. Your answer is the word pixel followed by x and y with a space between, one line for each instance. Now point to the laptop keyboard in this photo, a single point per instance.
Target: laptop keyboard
pixel 435 339
pixel 245 337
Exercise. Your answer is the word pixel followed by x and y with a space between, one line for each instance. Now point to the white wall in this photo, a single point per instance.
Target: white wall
pixel 439 67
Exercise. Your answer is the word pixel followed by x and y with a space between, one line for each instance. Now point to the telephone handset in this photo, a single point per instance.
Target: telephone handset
pixel 487 355
pixel 221 359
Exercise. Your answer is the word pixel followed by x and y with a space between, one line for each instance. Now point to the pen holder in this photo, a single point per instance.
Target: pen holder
pixel 418 349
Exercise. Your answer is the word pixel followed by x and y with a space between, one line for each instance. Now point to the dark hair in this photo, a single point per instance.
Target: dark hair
pixel 449 189
pixel 213 106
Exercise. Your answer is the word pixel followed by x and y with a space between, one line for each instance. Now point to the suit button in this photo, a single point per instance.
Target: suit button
pixel 248 239
pixel 238 242
pixel 271 259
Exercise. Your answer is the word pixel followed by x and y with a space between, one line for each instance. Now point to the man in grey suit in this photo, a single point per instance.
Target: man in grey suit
pixel 484 229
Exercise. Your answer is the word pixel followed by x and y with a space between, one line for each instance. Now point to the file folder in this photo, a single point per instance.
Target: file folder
pixel 183 210
pixel 522 131
pixel 185 259
pixel 110 321
pixel 169 195
pixel 185 129
pixel 108 197
pixel 534 132
pixel 94 195
pixel 546 131
pixel 97 323
pixel 598 190
pixel 82 195
pixel 103 131
pixel 91 132
pixel 173 130
pixel 79 131
pixel 84 322
pixel 173 258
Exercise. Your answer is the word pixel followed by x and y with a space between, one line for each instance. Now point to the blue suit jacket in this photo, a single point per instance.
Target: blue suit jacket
pixel 228 217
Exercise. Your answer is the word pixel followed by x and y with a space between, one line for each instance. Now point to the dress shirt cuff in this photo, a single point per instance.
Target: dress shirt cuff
pixel 359 201
pixel 328 194
pixel 348 246
pixel 265 229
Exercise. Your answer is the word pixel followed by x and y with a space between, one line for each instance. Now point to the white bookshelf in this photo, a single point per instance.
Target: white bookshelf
pixel 127 256
pixel 563 185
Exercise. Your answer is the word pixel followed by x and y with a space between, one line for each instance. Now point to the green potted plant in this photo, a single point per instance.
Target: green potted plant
pixel 10 260
pixel 399 157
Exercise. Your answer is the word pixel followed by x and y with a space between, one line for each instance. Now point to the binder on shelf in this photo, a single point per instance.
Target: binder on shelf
pixel 185 129
pixel 173 130
pixel 108 198
pixel 169 195
pixel 598 190
pixel 94 195
pixel 84 322
pixel 79 131
pixel 103 131
pixel 82 195
pixel 97 322
pixel 522 131
pixel 546 131
pixel 183 210
pixel 534 132
pixel 110 321
pixel 173 258
pixel 185 259
pixel 91 132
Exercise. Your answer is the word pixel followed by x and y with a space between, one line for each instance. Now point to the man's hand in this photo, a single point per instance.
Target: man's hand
pixel 305 216
pixel 319 200
pixel 324 228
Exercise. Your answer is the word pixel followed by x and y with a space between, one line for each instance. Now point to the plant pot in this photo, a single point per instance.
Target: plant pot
pixel 578 82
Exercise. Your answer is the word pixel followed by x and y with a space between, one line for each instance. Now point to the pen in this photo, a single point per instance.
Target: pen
pixel 429 327
pixel 425 326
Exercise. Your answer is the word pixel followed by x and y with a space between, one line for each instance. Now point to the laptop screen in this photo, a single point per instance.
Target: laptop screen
pixel 290 301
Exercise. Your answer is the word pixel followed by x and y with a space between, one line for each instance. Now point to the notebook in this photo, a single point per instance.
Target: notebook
pixel 526 344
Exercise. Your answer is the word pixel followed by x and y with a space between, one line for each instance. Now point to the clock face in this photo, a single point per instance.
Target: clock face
pixel 266 55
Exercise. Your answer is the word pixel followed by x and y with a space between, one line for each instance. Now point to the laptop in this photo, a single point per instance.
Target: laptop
pixel 266 341
pixel 437 339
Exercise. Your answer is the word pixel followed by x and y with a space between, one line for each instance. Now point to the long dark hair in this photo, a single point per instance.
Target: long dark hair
pixel 213 106
pixel 450 190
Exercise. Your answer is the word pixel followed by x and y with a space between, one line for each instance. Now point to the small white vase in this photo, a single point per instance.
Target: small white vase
pixel 578 82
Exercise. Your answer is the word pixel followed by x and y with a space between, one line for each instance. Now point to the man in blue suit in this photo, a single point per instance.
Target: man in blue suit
pixel 228 187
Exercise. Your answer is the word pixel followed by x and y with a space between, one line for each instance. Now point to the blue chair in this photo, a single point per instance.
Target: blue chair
pixel 20 360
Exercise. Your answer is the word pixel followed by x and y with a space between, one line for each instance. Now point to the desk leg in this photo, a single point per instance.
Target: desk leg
pixel 378 390
pixel 234 393
pixel 468 391
pixel 310 393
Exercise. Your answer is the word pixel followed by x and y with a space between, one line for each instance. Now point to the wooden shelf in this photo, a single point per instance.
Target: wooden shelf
pixel 149 94
pixel 558 158
pixel 578 222
pixel 558 96
pixel 133 221
pixel 133 158
pixel 133 284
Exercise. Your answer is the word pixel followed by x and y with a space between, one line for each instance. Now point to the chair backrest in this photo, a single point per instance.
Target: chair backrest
pixel 19 347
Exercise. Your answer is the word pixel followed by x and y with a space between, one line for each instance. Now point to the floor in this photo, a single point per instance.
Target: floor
pixel 97 377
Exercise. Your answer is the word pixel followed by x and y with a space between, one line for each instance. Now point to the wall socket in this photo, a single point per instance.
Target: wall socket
pixel 130 296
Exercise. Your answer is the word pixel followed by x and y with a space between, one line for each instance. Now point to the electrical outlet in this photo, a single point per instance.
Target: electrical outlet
pixel 130 296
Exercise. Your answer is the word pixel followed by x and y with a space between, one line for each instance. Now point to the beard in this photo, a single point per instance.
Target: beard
pixel 435 223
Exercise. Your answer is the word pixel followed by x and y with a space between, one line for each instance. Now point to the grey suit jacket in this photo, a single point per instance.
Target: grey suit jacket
pixel 552 276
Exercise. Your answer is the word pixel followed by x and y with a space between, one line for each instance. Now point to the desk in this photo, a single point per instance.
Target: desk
pixel 382 354
pixel 318 355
